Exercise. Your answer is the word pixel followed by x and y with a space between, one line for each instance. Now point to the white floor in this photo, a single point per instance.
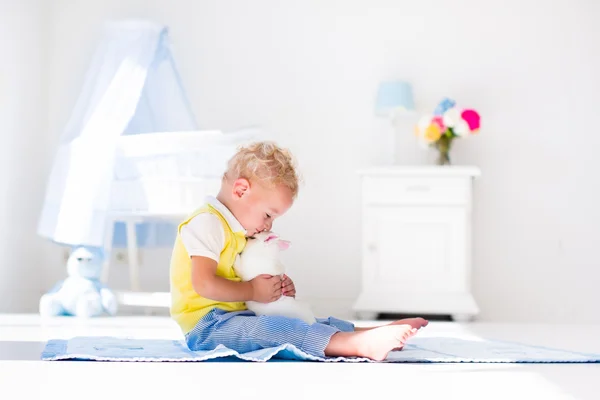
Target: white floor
pixel 22 375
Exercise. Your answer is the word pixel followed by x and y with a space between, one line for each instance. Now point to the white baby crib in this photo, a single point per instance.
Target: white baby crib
pixel 171 172
pixel 164 176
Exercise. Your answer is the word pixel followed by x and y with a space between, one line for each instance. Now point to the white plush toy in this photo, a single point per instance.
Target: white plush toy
pixel 81 294
pixel 261 256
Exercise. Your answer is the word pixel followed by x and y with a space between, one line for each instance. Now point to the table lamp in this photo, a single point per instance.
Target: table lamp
pixel 394 100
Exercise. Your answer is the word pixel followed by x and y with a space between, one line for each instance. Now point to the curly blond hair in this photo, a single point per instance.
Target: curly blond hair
pixel 264 162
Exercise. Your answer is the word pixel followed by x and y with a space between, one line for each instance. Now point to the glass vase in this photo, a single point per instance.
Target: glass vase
pixel 443 146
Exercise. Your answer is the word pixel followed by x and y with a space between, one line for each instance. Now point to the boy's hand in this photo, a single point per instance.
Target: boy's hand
pixel 287 287
pixel 266 288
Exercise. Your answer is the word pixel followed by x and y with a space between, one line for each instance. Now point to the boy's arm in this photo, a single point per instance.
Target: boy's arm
pixel 207 284
pixel 263 288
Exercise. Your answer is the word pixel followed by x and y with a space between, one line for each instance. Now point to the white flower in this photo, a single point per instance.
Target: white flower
pixel 452 117
pixel 461 128
pixel 422 125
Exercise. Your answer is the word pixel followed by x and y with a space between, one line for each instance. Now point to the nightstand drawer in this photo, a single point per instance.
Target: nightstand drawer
pixel 417 190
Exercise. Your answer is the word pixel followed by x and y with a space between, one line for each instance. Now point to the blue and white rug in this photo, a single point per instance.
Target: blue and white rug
pixel 419 350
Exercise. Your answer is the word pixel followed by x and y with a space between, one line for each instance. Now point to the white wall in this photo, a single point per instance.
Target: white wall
pixel 308 71
pixel 23 150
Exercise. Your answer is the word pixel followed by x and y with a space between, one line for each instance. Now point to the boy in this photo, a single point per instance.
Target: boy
pixel 208 299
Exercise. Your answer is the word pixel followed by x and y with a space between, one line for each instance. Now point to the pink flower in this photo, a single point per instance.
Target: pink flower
pixel 439 121
pixel 472 119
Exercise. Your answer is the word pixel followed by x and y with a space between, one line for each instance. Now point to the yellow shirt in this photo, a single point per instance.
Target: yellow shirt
pixel 187 307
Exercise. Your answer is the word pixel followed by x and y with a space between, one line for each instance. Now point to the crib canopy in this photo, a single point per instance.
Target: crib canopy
pixel 132 87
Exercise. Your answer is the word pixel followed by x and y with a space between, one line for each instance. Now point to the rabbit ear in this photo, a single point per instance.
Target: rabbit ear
pixel 283 244
pixel 271 236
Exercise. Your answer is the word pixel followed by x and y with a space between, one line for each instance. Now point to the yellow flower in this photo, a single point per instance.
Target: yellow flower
pixel 432 133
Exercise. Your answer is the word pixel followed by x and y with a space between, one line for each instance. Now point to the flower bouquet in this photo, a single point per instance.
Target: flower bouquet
pixel 447 123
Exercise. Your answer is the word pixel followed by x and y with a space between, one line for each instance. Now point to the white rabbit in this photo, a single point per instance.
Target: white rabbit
pixel 261 256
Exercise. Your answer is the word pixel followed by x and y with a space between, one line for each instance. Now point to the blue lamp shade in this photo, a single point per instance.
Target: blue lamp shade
pixel 394 95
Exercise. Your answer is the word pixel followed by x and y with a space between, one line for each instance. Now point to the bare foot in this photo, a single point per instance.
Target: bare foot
pixel 374 343
pixel 378 342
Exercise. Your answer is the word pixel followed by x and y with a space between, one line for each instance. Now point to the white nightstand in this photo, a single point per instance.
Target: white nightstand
pixel 416 241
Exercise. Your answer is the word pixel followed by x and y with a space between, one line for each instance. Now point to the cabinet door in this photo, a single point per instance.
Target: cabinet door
pixel 415 249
